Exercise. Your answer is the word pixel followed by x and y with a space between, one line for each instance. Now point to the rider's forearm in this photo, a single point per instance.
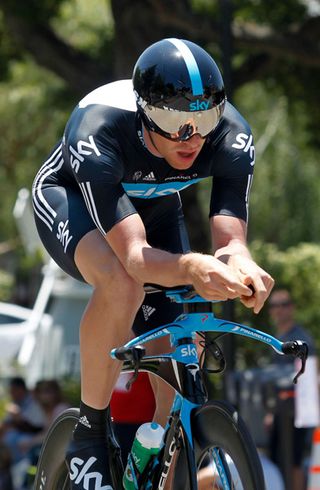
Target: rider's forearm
pixel 235 247
pixel 228 237
pixel 152 265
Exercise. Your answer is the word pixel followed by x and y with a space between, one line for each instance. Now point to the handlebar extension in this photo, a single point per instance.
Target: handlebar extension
pixel 129 353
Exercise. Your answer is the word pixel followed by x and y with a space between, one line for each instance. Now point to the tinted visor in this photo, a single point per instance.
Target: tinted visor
pixel 180 125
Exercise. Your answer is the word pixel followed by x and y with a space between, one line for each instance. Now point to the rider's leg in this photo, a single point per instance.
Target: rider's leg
pixel 106 323
pixel 158 310
pixel 163 393
pixel 108 318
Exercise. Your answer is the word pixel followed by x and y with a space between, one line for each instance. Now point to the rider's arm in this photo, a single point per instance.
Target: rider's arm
pixel 100 175
pixel 229 242
pixel 228 237
pixel 232 179
pixel 146 264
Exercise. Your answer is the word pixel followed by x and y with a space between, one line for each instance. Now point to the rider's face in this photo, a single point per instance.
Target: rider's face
pixel 179 154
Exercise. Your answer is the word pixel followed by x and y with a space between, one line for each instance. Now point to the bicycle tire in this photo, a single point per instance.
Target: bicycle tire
pixel 218 425
pixel 52 471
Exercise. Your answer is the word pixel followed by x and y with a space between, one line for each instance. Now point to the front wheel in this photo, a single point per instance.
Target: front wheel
pixel 52 471
pixel 225 454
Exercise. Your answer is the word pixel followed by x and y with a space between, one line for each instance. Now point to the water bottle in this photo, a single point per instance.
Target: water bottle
pixel 147 442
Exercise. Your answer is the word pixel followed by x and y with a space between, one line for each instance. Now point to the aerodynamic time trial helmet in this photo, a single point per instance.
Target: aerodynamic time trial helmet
pixel 179 89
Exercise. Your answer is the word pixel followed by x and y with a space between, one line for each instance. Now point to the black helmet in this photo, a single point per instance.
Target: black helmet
pixel 179 89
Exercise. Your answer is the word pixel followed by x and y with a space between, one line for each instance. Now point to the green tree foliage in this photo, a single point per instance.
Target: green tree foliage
pixel 297 269
pixel 53 52
pixel 285 196
pixel 6 284
pixel 83 44
pixel 31 119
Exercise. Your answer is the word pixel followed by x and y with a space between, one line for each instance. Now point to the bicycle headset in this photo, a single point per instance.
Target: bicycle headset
pixel 179 89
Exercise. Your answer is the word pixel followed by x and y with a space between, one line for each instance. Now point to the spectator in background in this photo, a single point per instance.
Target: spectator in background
pixel 48 395
pixel 282 314
pixel 24 417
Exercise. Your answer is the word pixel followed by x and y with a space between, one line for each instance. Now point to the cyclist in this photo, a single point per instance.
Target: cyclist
pixel 108 210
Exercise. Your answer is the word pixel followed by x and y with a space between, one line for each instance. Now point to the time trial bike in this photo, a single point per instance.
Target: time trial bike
pixel 206 441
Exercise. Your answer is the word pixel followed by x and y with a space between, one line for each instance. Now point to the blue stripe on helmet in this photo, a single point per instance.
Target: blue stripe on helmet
pixel 192 67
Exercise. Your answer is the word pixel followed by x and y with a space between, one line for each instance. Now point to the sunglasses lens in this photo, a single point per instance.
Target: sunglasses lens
pixel 181 125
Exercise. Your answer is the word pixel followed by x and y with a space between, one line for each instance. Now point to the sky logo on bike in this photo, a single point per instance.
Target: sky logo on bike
pixel 189 350
pixel 78 474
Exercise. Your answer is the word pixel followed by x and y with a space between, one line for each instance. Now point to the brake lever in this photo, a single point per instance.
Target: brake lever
pixel 132 355
pixel 133 378
pixel 137 354
pixel 300 349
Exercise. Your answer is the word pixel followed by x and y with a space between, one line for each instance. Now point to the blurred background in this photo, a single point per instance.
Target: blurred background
pixel 53 52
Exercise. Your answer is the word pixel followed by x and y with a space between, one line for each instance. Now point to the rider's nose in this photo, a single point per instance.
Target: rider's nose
pixel 196 138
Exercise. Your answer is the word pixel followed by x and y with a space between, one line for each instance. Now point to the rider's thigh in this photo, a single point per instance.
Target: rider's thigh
pixel 101 268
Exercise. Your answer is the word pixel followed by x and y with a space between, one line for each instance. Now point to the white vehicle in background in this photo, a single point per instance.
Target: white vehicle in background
pixel 51 349
pixel 14 326
pixel 43 341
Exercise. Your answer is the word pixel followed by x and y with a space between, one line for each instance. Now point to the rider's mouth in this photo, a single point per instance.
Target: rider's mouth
pixel 187 155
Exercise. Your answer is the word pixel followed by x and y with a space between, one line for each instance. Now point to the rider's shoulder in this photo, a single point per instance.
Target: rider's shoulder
pixel 232 142
pixel 233 121
pixel 118 95
pixel 106 108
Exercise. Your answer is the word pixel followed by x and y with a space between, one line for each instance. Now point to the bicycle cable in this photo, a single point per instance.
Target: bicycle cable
pixel 210 346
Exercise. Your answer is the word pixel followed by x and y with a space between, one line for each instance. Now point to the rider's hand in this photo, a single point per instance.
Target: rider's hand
pixel 251 274
pixel 213 279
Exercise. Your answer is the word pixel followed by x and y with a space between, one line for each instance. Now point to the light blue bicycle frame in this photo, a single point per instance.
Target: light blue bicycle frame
pixel 185 354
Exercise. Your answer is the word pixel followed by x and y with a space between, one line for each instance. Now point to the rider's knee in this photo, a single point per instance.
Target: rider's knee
pixel 111 279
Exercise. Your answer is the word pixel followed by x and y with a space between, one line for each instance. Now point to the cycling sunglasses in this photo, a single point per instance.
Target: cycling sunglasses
pixel 180 125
